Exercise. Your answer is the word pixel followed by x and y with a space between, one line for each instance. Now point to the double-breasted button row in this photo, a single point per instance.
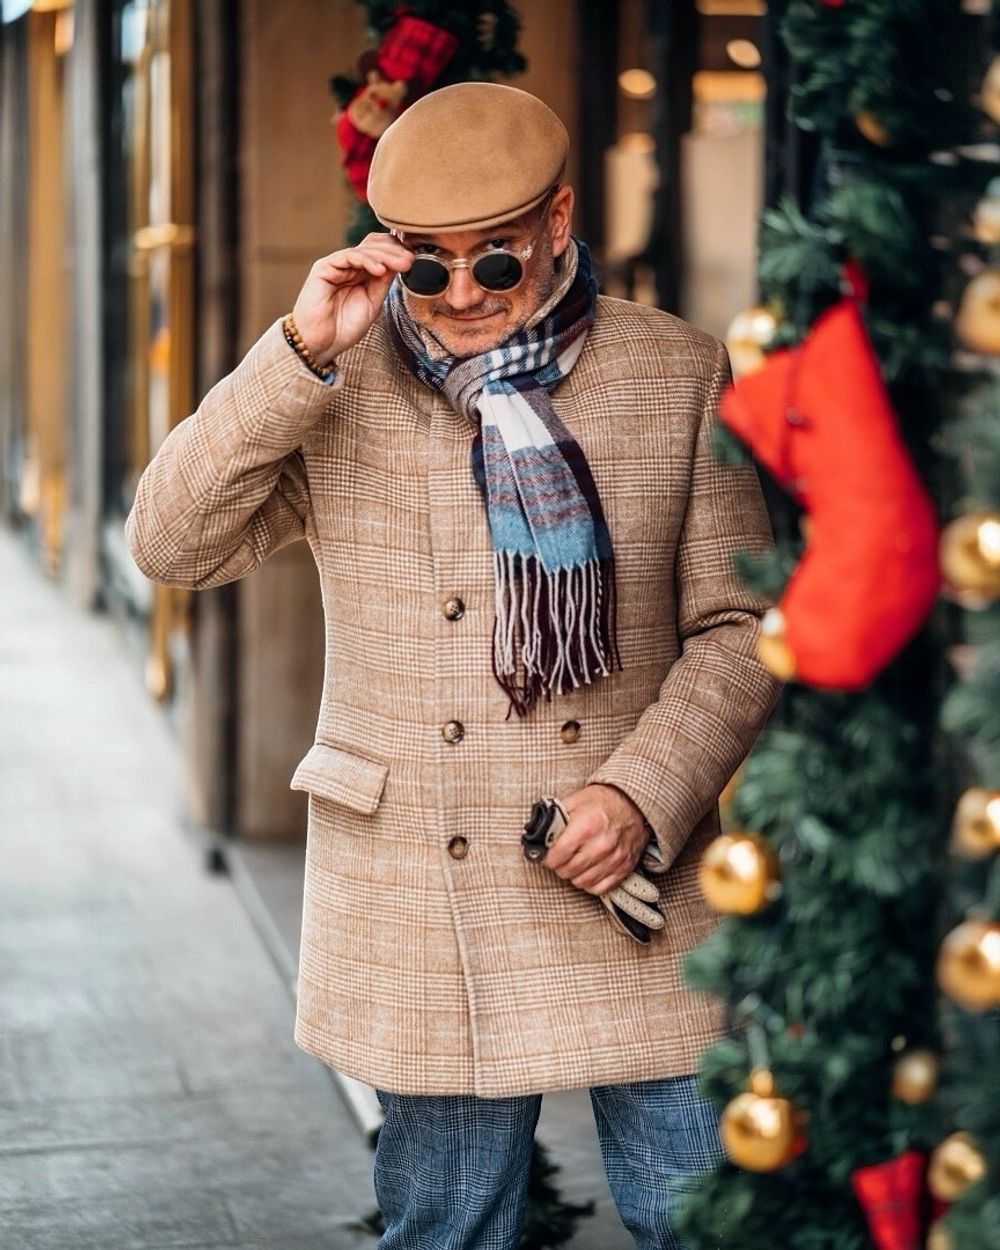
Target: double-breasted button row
pixel 454 731
pixel 454 608
pixel 458 847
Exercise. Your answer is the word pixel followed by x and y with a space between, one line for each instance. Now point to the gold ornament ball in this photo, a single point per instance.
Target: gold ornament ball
pixel 977 323
pixel 938 1238
pixel 760 1132
pixel 747 338
pixel 990 94
pixel 969 554
pixel 975 831
pixel 739 873
pixel 955 1165
pixel 986 218
pixel 872 129
pixel 914 1077
pixel 968 966
pixel 772 650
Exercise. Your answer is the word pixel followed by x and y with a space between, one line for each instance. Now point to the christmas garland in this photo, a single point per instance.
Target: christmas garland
pixel 831 874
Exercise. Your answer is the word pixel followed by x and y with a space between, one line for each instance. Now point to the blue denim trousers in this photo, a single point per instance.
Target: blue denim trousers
pixel 451 1171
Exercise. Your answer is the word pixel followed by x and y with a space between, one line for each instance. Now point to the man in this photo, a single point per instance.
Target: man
pixel 524 545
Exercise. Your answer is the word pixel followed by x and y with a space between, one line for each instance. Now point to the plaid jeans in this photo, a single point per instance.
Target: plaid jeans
pixel 451 1172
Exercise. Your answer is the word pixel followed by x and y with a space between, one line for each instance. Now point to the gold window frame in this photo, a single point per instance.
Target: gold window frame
pixel 161 266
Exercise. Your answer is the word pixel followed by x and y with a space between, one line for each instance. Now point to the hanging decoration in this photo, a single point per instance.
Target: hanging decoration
pixel 970 558
pixel 738 874
pixel 977 323
pixel 915 1076
pixel 969 965
pixel 989 96
pixel 748 338
pixel 891 1195
pixel 938 1238
pixel 986 218
pixel 760 1131
pixel 411 55
pixel 415 48
pixel 975 830
pixel 819 418
pixel 955 1166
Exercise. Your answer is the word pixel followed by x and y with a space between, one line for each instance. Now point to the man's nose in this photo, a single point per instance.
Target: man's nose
pixel 464 291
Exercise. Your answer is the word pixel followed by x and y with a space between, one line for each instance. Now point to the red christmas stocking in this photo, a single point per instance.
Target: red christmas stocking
pixel 409 59
pixel 819 418
pixel 891 1195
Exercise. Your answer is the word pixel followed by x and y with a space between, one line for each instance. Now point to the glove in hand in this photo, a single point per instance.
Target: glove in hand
pixel 631 905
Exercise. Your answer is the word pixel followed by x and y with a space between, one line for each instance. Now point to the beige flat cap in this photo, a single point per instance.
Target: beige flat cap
pixel 465 157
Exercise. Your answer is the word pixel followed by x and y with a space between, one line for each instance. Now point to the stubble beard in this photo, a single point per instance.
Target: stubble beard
pixel 539 286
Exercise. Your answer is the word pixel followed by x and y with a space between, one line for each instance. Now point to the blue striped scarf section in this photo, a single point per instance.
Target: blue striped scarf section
pixel 554 566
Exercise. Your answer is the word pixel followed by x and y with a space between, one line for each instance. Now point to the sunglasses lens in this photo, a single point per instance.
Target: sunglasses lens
pixel 426 276
pixel 497 272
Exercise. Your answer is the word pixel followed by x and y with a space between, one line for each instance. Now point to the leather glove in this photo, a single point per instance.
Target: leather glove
pixel 631 905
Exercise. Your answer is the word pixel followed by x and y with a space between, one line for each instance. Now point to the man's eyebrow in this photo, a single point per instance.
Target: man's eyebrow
pixel 507 231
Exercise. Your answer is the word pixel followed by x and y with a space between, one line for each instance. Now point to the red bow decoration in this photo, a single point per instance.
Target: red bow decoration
pixel 405 65
pixel 891 1195
pixel 818 416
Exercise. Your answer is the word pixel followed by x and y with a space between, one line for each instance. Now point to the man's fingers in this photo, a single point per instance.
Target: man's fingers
pixel 579 866
pixel 361 257
pixel 576 839
pixel 614 868
pixel 599 879
pixel 336 268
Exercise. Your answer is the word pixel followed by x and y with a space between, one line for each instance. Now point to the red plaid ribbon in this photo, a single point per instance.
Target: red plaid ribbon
pixel 415 50
pixel 412 50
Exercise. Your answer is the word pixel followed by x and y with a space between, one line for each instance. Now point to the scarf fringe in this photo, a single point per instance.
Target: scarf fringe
pixel 552 631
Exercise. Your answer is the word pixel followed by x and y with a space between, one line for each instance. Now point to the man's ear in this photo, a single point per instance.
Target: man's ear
pixel 561 219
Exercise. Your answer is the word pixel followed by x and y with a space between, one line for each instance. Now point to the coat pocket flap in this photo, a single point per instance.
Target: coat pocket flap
pixel 341 776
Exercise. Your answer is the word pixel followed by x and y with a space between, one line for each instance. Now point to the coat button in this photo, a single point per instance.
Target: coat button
pixel 453 731
pixel 458 848
pixel 570 731
pixel 454 608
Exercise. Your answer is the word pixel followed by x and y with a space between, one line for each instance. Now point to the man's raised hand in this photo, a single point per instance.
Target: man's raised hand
pixel 344 292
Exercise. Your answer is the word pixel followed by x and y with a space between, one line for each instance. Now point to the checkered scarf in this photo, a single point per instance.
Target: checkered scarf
pixel 552 555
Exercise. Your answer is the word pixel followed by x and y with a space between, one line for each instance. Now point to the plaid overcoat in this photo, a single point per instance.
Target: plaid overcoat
pixel 434 957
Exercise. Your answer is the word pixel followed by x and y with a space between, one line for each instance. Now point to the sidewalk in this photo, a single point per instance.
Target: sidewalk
pixel 151 1095
pixel 150 1091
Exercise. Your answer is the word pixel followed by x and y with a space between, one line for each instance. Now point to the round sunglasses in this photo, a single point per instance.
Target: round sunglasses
pixel 500 269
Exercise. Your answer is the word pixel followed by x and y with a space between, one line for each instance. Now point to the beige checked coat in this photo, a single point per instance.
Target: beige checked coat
pixel 434 957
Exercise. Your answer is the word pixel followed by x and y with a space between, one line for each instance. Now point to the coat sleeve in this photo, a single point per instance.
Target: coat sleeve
pixel 228 484
pixel 717 696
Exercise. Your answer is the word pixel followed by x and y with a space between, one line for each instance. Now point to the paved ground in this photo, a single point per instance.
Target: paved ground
pixel 151 1095
pixel 150 1091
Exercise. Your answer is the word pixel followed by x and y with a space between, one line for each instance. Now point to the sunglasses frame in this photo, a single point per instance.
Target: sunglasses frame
pixel 469 262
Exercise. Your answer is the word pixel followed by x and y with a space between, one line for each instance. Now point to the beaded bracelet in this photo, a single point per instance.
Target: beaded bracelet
pixel 294 340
